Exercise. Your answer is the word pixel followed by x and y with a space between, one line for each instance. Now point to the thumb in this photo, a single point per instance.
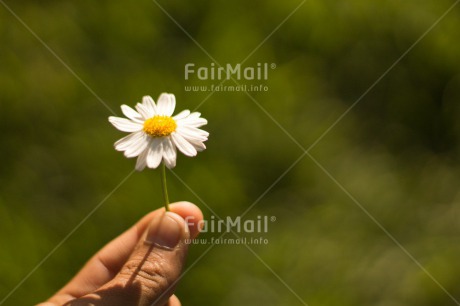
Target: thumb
pixel 150 274
pixel 157 261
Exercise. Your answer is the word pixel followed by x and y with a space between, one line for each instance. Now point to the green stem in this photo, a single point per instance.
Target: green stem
pixel 163 185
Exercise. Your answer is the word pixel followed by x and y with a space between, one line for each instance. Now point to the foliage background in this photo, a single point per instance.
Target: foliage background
pixel 394 156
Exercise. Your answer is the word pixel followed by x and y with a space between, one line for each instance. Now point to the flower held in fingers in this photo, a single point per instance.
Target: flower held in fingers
pixel 156 134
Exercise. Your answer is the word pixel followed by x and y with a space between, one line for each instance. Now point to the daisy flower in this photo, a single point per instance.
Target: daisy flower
pixel 156 134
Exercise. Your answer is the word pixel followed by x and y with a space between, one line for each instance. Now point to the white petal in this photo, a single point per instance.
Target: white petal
pixel 124 143
pixel 138 146
pixel 125 125
pixel 144 111
pixel 193 122
pixel 194 136
pixel 199 146
pixel 131 113
pixel 182 115
pixel 166 104
pixel 169 153
pixel 194 115
pixel 148 102
pixel 142 160
pixel 191 129
pixel 172 100
pixel 192 133
pixel 155 153
pixel 183 145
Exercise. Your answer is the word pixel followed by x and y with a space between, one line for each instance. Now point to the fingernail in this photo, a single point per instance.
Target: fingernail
pixel 164 231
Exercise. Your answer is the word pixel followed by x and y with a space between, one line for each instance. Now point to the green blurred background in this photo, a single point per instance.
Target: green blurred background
pixel 396 153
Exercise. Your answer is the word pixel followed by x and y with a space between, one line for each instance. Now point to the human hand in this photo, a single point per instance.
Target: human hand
pixel 140 267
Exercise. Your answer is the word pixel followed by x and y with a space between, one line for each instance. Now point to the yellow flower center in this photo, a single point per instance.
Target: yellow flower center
pixel 159 126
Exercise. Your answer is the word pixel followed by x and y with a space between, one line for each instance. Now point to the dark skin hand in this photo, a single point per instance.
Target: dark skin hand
pixel 140 267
